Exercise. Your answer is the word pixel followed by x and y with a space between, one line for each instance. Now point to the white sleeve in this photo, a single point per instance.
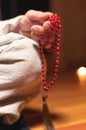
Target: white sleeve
pixel 10 25
pixel 19 61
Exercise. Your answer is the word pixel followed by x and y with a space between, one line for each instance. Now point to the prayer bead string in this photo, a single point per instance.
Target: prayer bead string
pixel 55 31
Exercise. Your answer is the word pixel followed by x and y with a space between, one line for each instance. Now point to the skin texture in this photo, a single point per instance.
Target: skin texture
pixel 35 24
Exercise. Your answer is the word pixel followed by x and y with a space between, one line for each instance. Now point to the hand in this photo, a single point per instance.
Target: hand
pixel 34 24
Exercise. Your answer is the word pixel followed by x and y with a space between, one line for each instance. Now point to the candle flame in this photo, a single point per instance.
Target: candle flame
pixel 81 71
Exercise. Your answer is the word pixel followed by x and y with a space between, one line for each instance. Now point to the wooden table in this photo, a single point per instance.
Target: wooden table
pixel 67 105
pixel 74 127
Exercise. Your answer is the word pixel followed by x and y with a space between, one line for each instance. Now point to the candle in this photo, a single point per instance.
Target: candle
pixel 81 73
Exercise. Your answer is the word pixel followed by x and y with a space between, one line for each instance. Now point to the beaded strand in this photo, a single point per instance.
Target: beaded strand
pixel 55 30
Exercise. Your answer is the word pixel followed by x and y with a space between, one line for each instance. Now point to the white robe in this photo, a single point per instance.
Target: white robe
pixel 20 70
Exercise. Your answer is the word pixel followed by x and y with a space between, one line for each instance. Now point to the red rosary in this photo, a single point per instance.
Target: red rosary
pixel 55 31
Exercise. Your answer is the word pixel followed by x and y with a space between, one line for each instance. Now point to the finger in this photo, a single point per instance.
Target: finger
pixel 38 15
pixel 46 25
pixel 37 29
pixel 36 36
pixel 41 29
pixel 44 42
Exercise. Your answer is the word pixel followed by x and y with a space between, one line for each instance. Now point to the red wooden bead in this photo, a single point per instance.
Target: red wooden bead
pixel 56 70
pixel 52 82
pixel 57 62
pixel 46 88
pixel 58 53
pixel 55 75
pixel 58 48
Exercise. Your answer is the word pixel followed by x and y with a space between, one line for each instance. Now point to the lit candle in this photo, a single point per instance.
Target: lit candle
pixel 81 72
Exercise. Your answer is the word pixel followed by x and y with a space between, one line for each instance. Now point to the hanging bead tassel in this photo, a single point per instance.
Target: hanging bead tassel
pixel 46 115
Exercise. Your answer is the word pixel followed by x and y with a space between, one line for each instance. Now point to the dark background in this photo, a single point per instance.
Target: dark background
pixel 11 8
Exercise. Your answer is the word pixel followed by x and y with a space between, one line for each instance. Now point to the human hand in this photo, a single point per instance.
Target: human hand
pixel 35 24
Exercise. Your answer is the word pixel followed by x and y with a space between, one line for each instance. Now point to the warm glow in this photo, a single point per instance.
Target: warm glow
pixel 81 71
